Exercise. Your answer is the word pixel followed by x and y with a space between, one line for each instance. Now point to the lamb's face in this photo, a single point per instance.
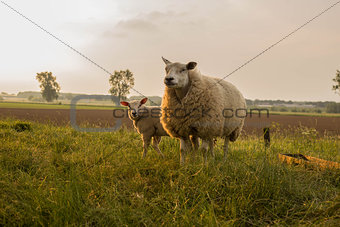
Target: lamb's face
pixel 134 107
pixel 177 74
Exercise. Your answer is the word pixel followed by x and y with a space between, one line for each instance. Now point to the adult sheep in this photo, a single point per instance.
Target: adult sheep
pixel 201 106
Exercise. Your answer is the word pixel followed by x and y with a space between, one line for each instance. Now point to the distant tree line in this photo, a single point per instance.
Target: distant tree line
pixel 35 95
pixel 296 109
pixel 152 100
pixel 256 102
pixel 156 100
pixel 333 107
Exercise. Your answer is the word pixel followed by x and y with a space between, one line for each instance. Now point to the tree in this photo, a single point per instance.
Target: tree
pixel 49 86
pixel 121 82
pixel 336 87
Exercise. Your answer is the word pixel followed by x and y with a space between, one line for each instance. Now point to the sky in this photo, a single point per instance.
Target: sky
pixel 220 35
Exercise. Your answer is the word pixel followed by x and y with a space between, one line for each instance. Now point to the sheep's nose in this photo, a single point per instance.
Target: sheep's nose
pixel 169 79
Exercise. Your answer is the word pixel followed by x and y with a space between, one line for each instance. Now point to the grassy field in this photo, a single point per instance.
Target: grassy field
pixel 57 176
pixel 50 106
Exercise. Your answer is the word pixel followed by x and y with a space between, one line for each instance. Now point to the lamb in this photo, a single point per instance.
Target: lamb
pixel 146 120
pixel 200 106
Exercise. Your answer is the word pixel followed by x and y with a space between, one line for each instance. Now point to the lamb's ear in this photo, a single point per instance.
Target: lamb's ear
pixel 124 103
pixel 143 101
pixel 191 65
pixel 167 62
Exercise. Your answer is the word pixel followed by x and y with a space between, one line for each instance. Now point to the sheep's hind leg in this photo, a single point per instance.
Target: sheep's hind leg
pixel 211 148
pixel 225 148
pixel 205 148
pixel 155 142
pixel 146 144
pixel 185 147
pixel 194 145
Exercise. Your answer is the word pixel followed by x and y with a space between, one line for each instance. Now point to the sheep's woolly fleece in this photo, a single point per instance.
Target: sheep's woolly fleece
pixel 206 109
pixel 147 123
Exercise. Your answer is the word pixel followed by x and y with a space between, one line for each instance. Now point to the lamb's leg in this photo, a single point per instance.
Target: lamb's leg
pixel 155 142
pixel 225 148
pixel 146 143
pixel 185 147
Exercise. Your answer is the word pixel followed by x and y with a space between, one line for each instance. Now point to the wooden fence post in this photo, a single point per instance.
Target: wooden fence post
pixel 266 136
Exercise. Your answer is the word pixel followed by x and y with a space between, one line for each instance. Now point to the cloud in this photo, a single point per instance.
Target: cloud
pixel 136 24
pixel 133 26
pixel 149 24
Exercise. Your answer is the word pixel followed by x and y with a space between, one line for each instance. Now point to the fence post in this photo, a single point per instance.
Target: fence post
pixel 266 137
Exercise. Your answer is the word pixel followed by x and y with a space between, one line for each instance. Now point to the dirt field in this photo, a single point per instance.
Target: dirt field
pixel 104 118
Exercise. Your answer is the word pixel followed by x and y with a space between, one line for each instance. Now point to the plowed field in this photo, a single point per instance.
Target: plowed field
pixel 104 118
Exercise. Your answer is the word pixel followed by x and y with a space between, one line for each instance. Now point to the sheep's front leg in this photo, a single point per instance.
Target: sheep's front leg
pixel 146 144
pixel 185 147
pixel 205 147
pixel 211 147
pixel 225 148
pixel 155 142
pixel 194 142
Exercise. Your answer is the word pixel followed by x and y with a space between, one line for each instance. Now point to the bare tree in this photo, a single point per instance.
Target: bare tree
pixel 121 82
pixel 49 86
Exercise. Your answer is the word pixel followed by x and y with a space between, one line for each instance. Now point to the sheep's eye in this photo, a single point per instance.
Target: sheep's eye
pixel 182 70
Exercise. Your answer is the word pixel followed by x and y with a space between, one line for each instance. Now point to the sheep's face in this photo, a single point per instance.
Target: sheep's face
pixel 177 74
pixel 134 107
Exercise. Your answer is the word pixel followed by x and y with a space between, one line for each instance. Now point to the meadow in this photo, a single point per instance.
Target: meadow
pixel 60 177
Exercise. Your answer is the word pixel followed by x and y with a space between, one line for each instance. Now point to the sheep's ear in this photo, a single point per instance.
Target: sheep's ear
pixel 167 62
pixel 191 65
pixel 124 103
pixel 143 101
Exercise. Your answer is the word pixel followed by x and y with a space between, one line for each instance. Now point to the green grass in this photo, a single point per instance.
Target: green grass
pixel 50 106
pixel 59 177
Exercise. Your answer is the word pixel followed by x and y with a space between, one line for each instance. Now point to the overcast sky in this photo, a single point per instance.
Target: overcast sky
pixel 218 34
